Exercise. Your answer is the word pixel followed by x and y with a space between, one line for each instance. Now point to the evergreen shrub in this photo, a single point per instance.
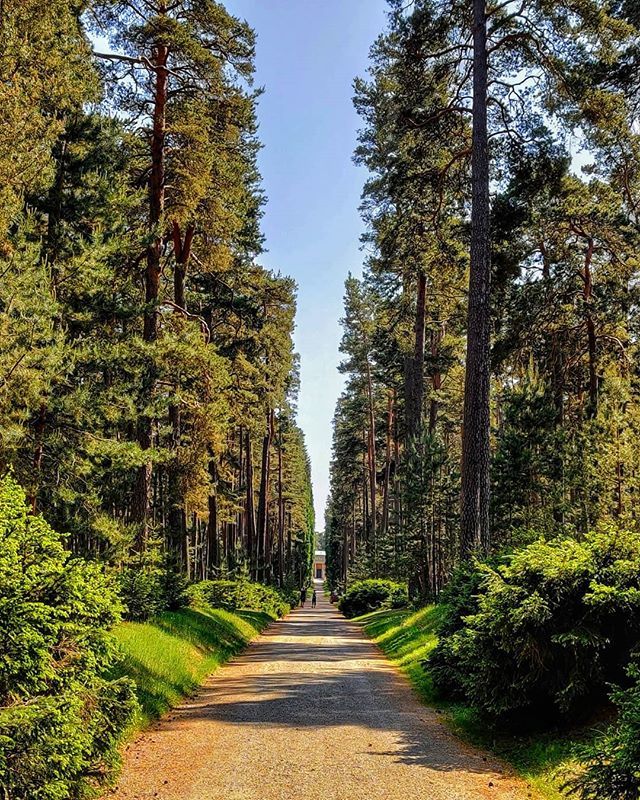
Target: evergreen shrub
pixel 61 718
pixel 612 762
pixel 370 595
pixel 546 631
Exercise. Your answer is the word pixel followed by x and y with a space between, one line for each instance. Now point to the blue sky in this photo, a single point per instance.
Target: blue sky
pixel 308 53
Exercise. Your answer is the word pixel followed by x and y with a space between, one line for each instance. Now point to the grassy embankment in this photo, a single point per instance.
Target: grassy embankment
pixel 170 656
pixel 407 637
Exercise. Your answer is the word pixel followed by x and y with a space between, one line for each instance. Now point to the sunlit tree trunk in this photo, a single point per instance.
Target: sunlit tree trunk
pixel 141 507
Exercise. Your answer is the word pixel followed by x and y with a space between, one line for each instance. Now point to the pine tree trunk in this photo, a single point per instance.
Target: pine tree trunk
pixel 414 366
pixel 384 525
pixel 436 379
pixel 263 498
pixel 474 516
pixel 250 521
pixel 280 514
pixel 213 550
pixel 371 457
pixel 591 333
pixel 141 510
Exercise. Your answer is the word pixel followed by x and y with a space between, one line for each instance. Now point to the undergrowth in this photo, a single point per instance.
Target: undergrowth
pixel 543 759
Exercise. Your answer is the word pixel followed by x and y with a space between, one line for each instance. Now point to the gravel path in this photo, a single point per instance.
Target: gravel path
pixel 310 711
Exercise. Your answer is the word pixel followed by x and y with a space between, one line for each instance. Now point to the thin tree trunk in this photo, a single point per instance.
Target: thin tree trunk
pixel 436 379
pixel 182 253
pixel 474 516
pixel 371 451
pixel 384 525
pixel 591 332
pixel 263 497
pixel 414 366
pixel 250 522
pixel 213 550
pixel 280 513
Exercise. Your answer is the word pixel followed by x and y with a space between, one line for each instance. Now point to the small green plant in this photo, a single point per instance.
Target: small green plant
pixel 612 762
pixel 369 595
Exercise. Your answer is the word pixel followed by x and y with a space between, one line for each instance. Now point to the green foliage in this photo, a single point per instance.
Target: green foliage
pixel 61 719
pixel 141 590
pixel 169 656
pixel 408 637
pixel 612 762
pixel 551 627
pixel 239 595
pixel 369 595
pixel 81 383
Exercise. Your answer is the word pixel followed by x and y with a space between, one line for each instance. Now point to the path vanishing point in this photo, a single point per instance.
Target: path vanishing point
pixel 310 711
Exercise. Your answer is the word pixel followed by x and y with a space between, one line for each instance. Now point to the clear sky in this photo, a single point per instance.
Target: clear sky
pixel 308 53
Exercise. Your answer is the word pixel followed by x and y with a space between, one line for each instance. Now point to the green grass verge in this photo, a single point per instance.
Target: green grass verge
pixel 169 656
pixel 406 638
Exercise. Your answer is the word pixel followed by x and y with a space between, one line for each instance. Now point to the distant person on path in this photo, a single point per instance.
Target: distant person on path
pixel 314 599
pixel 303 597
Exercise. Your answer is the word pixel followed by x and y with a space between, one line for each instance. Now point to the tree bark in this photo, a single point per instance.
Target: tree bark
pixel 280 514
pixel 250 515
pixel 414 367
pixel 436 379
pixel 384 524
pixel 475 489
pixel 263 498
pixel 141 510
pixel 213 549
pixel 591 332
pixel 371 457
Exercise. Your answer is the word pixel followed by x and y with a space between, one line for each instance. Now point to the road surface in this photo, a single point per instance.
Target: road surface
pixel 310 711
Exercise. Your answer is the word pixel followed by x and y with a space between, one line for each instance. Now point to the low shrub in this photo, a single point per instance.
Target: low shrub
pixel 236 595
pixel 141 591
pixel 369 595
pixel 550 628
pixel 147 586
pixel 612 762
pixel 60 717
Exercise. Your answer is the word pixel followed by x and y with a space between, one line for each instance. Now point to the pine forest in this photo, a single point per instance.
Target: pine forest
pixel 482 523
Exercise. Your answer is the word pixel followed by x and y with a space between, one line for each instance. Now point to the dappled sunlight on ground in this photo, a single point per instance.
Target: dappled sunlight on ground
pixel 311 710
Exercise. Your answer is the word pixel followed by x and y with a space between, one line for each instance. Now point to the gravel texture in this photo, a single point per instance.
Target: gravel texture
pixel 310 711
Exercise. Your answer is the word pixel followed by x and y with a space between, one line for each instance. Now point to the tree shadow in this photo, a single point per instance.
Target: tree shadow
pixel 293 677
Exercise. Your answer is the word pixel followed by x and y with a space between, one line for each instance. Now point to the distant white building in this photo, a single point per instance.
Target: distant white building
pixel 320 565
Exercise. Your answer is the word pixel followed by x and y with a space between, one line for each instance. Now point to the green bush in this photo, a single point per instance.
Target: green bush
pixel 551 627
pixel 369 595
pixel 236 595
pixel 612 763
pixel 141 591
pixel 60 719
pixel 147 586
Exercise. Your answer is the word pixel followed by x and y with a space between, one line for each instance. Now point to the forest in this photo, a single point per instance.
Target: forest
pixel 148 379
pixel 156 501
pixel 486 443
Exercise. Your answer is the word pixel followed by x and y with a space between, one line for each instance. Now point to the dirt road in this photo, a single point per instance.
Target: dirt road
pixel 310 711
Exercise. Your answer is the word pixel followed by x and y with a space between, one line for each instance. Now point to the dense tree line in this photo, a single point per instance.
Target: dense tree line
pixel 490 347
pixel 147 376
pixel 485 449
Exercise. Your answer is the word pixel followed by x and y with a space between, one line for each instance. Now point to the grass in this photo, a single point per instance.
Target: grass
pixel 406 638
pixel 169 656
